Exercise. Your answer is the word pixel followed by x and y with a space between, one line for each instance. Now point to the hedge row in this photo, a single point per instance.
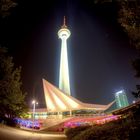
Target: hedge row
pixel 127 129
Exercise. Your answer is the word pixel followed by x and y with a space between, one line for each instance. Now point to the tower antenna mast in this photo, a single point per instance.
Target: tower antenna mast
pixel 64 23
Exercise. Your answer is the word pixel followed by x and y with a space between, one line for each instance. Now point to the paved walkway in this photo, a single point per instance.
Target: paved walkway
pixel 9 133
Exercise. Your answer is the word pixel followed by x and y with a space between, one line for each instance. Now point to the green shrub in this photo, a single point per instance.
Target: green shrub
pixel 10 122
pixel 71 132
pixel 127 128
pixel 109 131
pixel 99 133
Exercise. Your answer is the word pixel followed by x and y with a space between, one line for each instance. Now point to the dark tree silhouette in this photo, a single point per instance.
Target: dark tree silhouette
pixel 129 18
pixel 12 102
pixel 5 6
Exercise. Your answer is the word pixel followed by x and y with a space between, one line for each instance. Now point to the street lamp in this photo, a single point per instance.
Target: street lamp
pixel 34 102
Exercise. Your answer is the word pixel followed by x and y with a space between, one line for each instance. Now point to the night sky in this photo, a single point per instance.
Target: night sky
pixel 99 52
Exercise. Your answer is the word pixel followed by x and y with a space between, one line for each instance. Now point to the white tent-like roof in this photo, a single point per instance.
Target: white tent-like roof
pixel 56 100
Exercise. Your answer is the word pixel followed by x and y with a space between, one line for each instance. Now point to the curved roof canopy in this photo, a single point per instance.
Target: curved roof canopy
pixel 56 100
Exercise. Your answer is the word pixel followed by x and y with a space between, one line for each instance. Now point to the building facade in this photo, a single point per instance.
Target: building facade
pixel 121 99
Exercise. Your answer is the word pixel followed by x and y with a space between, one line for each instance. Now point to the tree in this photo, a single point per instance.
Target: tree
pixel 5 6
pixel 137 94
pixel 136 66
pixel 12 98
pixel 129 18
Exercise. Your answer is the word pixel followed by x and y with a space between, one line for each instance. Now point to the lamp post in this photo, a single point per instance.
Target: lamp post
pixel 34 102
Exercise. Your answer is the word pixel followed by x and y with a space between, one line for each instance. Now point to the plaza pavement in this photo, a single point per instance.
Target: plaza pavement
pixel 9 133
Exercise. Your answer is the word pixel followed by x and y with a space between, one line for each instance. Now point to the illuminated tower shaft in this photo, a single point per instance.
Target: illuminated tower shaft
pixel 64 83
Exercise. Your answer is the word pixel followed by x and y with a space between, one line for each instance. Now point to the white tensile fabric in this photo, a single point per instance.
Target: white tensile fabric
pixel 56 100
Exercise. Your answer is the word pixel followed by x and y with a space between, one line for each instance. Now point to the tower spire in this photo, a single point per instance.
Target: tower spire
pixel 64 23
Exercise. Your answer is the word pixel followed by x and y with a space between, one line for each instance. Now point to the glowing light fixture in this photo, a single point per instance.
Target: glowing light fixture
pixel 34 102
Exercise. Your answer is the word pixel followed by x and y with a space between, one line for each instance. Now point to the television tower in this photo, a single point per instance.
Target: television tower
pixel 64 83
